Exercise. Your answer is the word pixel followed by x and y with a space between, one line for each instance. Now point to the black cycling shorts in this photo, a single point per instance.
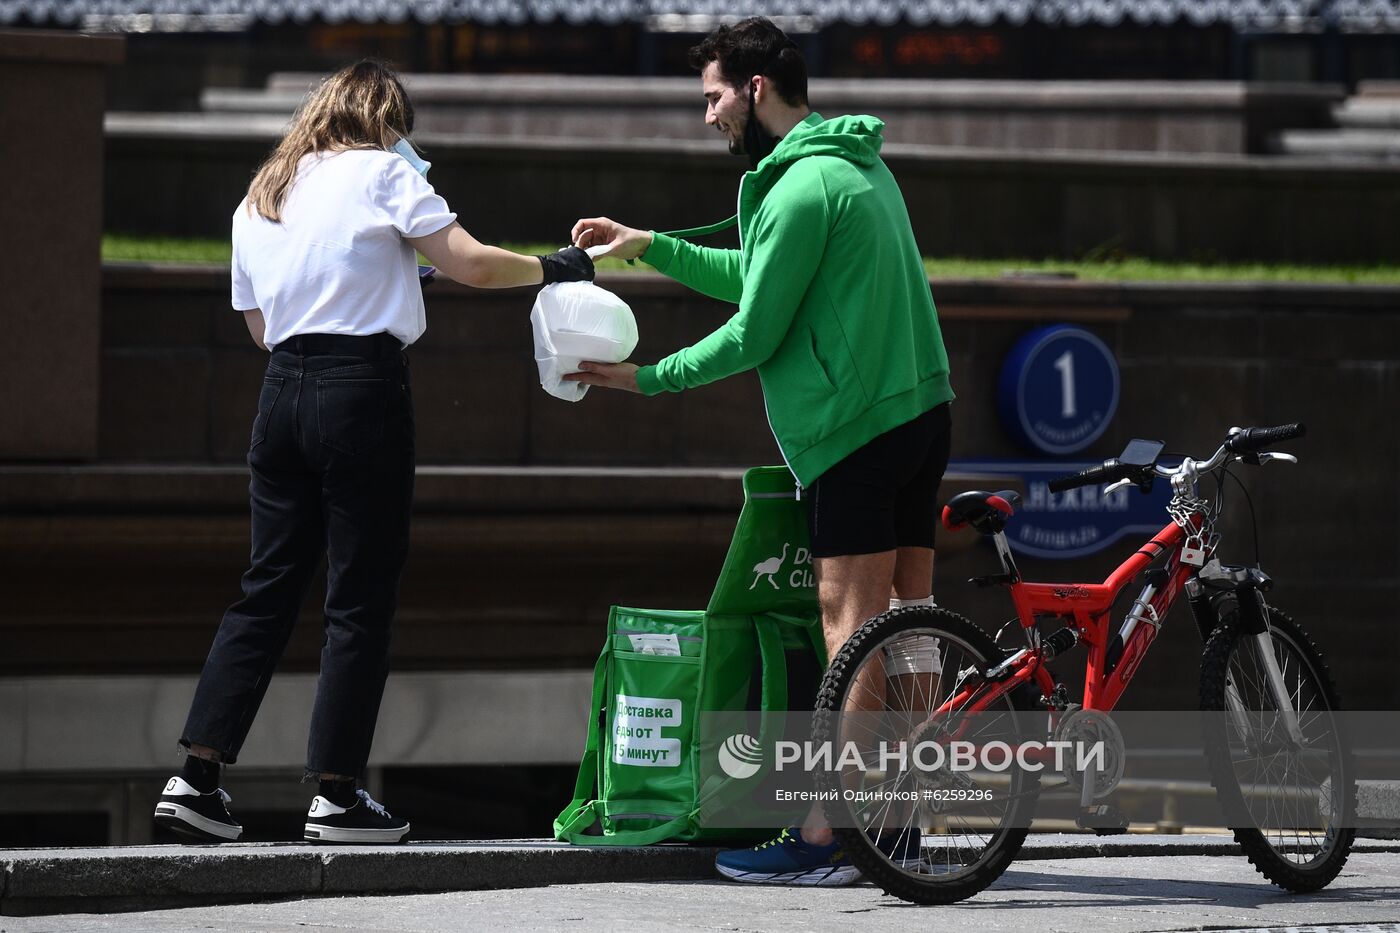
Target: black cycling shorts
pixel 883 495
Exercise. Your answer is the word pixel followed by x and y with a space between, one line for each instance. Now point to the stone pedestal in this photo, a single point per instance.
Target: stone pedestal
pixel 51 104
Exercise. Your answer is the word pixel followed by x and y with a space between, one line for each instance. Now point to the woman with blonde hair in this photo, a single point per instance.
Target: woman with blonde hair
pixel 325 276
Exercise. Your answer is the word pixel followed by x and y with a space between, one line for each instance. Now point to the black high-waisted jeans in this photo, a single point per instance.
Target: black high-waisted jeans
pixel 332 461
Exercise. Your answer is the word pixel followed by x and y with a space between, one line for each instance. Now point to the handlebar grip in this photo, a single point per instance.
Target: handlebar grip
pixel 1251 440
pixel 1109 471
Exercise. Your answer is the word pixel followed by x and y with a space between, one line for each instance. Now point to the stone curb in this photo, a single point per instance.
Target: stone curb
pixel 56 881
pixel 49 881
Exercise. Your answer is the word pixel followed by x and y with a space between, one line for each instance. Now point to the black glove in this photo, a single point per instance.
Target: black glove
pixel 570 264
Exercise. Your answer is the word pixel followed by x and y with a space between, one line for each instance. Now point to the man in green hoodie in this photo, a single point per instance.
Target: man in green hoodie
pixel 836 316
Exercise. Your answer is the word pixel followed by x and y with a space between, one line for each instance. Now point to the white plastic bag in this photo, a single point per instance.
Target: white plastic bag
pixel 576 321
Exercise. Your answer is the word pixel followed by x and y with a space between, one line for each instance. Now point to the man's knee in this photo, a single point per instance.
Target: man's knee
pixel 854 582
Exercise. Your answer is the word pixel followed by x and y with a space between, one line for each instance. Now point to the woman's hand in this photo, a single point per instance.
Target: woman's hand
pixel 569 264
pixel 622 242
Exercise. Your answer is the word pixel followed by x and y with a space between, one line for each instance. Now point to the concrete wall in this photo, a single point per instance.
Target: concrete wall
pixel 51 94
pixel 130 724
pixel 73 748
pixel 962 202
pixel 533 515
pixel 125 567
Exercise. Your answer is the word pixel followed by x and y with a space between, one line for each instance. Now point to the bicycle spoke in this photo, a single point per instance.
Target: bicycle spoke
pixel 1283 783
pixel 898 701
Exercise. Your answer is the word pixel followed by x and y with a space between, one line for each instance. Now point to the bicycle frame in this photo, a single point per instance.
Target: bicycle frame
pixel 1087 606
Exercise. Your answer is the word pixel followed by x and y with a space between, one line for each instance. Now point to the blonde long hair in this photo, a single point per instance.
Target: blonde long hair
pixel 363 106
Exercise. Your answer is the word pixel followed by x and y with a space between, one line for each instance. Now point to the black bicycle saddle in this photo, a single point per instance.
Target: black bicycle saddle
pixel 986 512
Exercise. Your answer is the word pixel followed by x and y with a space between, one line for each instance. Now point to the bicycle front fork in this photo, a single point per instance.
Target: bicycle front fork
pixel 1254 612
pixel 1247 585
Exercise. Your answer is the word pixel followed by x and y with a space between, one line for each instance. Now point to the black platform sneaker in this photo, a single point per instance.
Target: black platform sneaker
pixel 363 821
pixel 201 816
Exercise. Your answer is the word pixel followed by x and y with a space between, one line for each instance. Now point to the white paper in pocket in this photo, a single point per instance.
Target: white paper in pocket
pixel 576 321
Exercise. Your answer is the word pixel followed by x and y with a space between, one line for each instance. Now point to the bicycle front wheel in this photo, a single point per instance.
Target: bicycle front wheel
pixel 1294 792
pixel 927 835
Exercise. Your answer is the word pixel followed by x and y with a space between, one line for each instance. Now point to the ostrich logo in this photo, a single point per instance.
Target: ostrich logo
pixel 769 567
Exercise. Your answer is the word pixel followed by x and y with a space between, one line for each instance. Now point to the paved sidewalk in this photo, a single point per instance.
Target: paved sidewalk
pixel 1140 894
pixel 54 881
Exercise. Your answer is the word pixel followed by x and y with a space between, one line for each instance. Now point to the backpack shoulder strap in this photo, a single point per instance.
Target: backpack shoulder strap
pixel 578 816
pixel 689 232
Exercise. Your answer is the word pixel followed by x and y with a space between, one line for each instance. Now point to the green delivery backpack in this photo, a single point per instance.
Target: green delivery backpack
pixel 757 646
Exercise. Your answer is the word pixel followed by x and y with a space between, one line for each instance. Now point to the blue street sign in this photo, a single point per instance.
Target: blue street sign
pixel 1058 389
pixel 1076 523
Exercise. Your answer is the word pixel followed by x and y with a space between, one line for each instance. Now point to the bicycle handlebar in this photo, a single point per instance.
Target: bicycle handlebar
pixel 1242 443
pixel 1253 440
pixel 1109 471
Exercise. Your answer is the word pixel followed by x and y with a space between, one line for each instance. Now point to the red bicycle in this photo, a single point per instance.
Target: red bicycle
pixel 1276 753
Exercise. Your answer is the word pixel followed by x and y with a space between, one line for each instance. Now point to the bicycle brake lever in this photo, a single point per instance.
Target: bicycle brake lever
pixel 1112 487
pixel 1274 455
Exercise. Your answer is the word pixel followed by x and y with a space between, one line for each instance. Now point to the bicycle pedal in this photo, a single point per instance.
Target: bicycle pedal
pixel 1104 820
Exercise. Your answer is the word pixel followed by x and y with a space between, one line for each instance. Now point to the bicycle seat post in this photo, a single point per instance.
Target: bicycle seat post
pixel 1008 562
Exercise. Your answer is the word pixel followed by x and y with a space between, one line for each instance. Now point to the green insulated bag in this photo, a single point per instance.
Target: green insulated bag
pixel 769 564
pixel 757 646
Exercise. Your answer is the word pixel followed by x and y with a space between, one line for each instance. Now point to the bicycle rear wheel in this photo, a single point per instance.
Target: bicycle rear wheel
pixel 1294 799
pixel 963 828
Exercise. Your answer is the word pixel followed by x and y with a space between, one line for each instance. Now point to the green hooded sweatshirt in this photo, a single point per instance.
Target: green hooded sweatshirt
pixel 834 303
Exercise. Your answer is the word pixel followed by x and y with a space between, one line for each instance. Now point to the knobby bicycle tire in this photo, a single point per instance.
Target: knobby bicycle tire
pixel 1271 857
pixel 874 864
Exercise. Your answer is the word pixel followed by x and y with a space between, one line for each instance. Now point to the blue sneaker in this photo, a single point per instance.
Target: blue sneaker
pixel 788 860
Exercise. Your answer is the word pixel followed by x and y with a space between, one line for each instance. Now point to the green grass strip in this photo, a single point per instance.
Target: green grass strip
pixel 1146 270
pixel 120 247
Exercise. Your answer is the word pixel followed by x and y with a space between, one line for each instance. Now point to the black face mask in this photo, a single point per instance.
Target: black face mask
pixel 758 143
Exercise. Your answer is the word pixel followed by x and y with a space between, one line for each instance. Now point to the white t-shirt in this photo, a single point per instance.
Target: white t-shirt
pixel 338 263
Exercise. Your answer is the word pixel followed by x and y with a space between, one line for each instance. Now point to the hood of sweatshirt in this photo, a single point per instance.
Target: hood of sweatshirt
pixel 854 138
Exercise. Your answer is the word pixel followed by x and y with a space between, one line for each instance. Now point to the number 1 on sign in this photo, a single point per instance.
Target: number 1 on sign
pixel 1065 364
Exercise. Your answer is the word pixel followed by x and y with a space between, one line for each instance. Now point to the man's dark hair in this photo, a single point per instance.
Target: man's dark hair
pixel 755 46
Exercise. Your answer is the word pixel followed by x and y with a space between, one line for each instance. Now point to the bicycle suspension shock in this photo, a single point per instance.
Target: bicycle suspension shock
pixel 1059 642
pixel 1141 611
